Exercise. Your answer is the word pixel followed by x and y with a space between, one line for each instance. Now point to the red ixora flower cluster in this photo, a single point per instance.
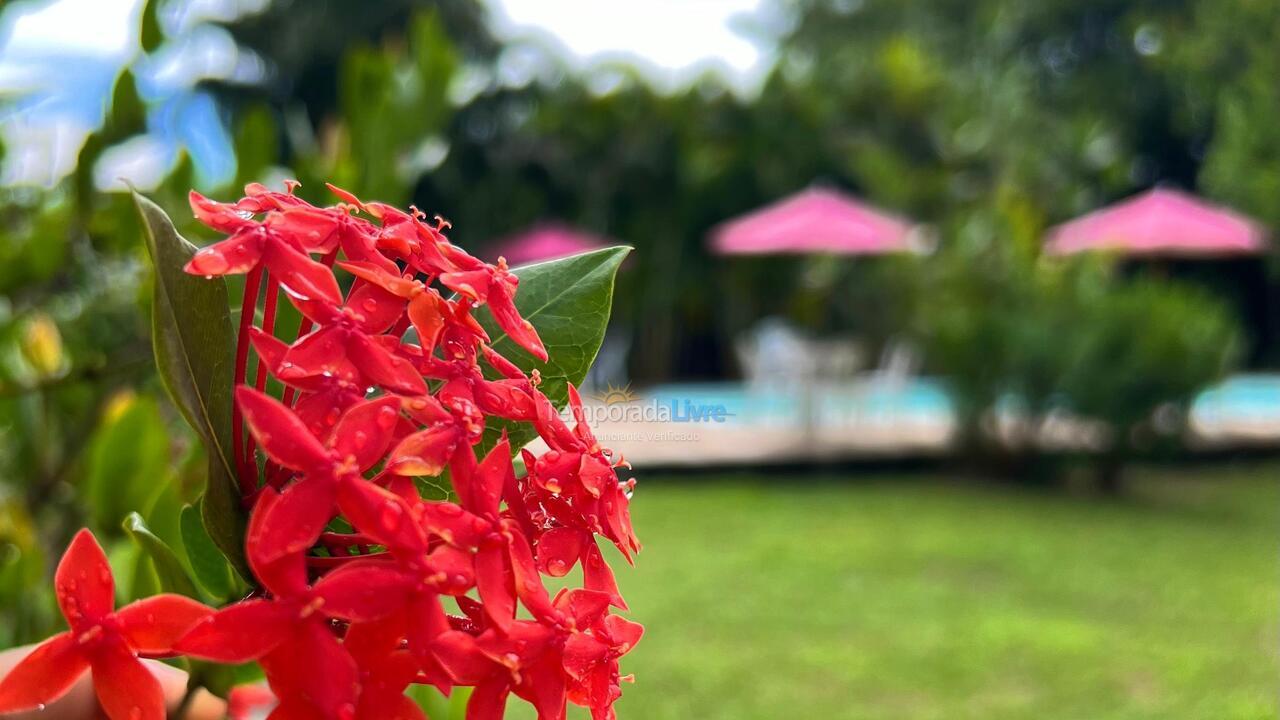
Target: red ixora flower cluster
pixel 365 586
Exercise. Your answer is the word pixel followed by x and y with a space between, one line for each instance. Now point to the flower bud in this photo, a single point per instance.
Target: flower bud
pixel 41 345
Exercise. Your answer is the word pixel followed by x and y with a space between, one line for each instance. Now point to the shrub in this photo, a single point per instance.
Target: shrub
pixel 365 574
pixel 1024 338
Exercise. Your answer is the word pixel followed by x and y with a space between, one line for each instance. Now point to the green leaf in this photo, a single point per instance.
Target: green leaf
pixel 151 36
pixel 169 570
pixel 207 563
pixel 194 347
pixel 568 301
pixel 126 461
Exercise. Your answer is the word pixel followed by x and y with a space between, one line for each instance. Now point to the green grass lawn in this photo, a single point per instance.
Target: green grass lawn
pixel 774 596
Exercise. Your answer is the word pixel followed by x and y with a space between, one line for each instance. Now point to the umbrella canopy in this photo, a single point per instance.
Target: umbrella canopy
pixel 817 220
pixel 545 242
pixel 1160 223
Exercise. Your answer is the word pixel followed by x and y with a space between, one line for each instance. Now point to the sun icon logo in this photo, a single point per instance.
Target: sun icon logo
pixel 616 395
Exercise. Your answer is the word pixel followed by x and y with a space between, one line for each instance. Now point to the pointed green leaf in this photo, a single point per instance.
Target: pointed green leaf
pixel 209 566
pixel 568 301
pixel 125 464
pixel 194 346
pixel 169 570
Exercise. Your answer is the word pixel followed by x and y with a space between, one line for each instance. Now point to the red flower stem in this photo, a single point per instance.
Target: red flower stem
pixel 305 325
pixel 260 382
pixel 268 324
pixel 248 471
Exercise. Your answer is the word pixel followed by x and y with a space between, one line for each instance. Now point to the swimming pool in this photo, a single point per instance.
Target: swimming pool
pixel 1244 398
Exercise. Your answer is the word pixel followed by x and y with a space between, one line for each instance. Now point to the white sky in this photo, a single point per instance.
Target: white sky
pixel 94 27
pixel 673 38
pixel 53 45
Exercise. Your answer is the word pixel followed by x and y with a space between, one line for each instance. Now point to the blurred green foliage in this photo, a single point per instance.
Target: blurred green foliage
pixel 989 119
pixel 1021 340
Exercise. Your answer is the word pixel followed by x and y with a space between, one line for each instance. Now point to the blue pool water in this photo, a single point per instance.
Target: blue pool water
pixel 1244 397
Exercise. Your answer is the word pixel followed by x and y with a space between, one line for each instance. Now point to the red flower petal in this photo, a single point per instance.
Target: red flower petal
pixel 426 410
pixel 623 633
pixel 236 255
pixel 528 583
pixel 313 228
pixel 489 699
pixel 596 475
pixel 321 411
pixel 319 353
pixel 488 480
pixel 427 316
pixel 301 276
pixel 617 515
pixel 126 689
pixel 223 217
pixel 427 622
pixel 503 307
pixel 376 309
pixel 363 591
pixel 313 666
pixel 295 522
pixel 584 607
pixel 504 366
pixel 374 274
pixel 286 577
pixel 559 550
pixel 239 633
pixel 44 675
pixel 382 515
pixel 461 657
pixel 270 349
pixel 543 685
pixel 371 643
pixel 457 526
pixel 473 284
pixel 365 431
pixel 424 453
pixel 152 625
pixel 506 398
pixel 345 196
pixel 519 646
pixel 390 371
pixel 283 437
pixel 582 652
pixel 597 575
pixel 457 567
pixel 83 582
pixel 496 584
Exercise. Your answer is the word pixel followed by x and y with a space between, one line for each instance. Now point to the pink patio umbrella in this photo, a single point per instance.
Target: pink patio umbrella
pixel 549 241
pixel 817 220
pixel 1160 223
